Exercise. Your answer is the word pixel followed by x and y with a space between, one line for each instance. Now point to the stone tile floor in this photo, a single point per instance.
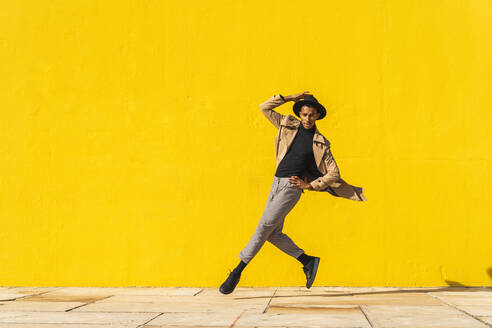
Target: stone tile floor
pixel 388 307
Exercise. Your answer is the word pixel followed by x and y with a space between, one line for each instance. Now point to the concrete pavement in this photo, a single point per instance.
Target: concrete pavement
pixel 388 307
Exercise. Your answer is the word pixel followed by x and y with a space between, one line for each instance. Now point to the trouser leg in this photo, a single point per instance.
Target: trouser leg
pixel 256 242
pixel 284 242
pixel 281 200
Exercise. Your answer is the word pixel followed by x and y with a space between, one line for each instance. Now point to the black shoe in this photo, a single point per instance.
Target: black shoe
pixel 310 270
pixel 228 286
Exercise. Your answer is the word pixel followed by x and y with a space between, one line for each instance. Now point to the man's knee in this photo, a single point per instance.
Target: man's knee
pixel 262 233
pixel 275 235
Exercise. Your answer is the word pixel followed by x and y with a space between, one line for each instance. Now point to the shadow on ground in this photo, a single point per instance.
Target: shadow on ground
pixel 452 286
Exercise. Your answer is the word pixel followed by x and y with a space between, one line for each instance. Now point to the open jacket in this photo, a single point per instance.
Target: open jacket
pixel 325 176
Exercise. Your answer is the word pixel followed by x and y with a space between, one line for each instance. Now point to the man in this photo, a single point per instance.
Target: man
pixel 301 151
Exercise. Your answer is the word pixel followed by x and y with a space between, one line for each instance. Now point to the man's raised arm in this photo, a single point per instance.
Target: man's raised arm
pixel 268 106
pixel 275 101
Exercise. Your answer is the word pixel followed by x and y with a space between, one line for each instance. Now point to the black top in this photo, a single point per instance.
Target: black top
pixel 299 156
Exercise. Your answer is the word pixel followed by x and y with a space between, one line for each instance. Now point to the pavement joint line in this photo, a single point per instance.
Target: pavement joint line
pixel 239 316
pixel 142 325
pixel 457 308
pixel 268 305
pixel 28 295
pixel 363 310
pixel 201 290
pixel 78 306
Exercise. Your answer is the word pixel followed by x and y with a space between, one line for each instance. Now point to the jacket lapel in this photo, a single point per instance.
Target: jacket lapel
pixel 289 127
pixel 319 147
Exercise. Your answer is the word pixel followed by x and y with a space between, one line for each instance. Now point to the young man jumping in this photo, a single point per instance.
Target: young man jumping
pixel 304 161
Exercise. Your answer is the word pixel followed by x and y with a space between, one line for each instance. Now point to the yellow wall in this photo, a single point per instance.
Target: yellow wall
pixel 133 151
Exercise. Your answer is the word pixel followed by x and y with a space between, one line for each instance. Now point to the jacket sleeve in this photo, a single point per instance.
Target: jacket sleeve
pixel 332 177
pixel 267 109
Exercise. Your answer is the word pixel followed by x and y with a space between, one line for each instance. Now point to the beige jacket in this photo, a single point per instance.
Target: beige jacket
pixel 327 176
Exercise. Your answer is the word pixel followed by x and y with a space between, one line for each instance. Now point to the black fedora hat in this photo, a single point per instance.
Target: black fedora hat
pixel 311 102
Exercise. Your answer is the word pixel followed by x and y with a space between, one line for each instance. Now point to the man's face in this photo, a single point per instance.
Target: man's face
pixel 308 116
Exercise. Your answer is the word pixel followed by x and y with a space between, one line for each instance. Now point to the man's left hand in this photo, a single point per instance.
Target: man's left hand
pixel 295 181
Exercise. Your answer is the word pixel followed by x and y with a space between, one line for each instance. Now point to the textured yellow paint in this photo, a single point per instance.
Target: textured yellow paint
pixel 133 151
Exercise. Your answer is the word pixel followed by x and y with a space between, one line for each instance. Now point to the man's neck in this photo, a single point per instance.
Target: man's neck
pixel 312 129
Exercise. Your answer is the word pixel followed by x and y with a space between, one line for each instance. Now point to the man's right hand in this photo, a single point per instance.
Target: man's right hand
pixel 297 97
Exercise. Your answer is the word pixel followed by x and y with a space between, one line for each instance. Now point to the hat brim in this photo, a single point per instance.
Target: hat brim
pixel 298 105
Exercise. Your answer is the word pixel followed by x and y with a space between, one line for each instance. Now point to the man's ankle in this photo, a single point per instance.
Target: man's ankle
pixel 240 267
pixel 304 258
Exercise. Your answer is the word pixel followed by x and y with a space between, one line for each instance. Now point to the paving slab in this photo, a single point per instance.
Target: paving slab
pixel 224 319
pixel 76 317
pixel 459 300
pixel 435 316
pixel 465 292
pixel 169 307
pixel 178 291
pixel 238 292
pixel 10 296
pixel 188 326
pixel 477 310
pixel 401 298
pixel 15 306
pixel 220 299
pixel 397 298
pixel 338 319
pixel 92 294
pixel 358 289
pixel 18 293
pixel 190 304
pixel 52 297
pixel 313 291
pixel 305 309
pixel 67 325
pixel 33 289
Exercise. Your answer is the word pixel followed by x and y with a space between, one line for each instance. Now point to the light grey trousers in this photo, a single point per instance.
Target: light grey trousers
pixel 281 201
